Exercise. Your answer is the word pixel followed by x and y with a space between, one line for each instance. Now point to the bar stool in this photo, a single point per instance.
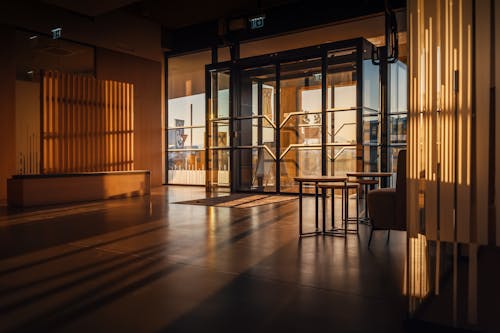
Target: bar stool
pixel 344 187
pixel 368 184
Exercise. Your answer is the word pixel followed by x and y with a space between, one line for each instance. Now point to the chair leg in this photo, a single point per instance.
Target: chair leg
pixel 371 235
pixel 357 211
pixel 388 235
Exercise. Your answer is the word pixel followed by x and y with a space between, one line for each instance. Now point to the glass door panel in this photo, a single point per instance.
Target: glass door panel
pixel 341 112
pixel 219 145
pixel 371 116
pixel 300 121
pixel 255 128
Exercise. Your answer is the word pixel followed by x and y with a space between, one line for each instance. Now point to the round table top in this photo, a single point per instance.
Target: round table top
pixel 369 174
pixel 316 179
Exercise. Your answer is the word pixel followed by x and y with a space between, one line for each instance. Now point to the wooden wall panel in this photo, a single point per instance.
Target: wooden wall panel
pixel 145 99
pixel 83 124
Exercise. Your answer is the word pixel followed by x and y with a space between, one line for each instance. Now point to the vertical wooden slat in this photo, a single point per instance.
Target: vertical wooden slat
pixel 113 124
pixel 86 125
pixel 79 92
pixel 77 125
pixel 107 113
pixel 120 126
pixel 72 143
pixel 64 123
pixel 95 100
pixel 132 125
pixel 123 128
pixel 117 127
pixel 85 164
pixel 59 121
pixel 98 125
pixel 110 126
pixel 43 125
pixel 100 113
pixel 129 127
pixel 48 117
pixel 90 115
pixel 88 112
pixel 81 164
pixel 127 103
pixel 52 122
pixel 53 129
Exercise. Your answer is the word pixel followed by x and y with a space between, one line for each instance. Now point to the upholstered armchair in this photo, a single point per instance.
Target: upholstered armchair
pixel 387 206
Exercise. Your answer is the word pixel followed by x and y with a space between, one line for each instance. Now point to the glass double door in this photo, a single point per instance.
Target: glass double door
pixel 283 121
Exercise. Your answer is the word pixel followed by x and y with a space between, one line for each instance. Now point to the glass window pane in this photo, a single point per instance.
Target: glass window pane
pixel 186 167
pixel 186 118
pixel 340 160
pixel 397 128
pixel 398 87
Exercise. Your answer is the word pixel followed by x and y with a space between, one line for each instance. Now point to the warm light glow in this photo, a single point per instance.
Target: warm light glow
pixel 419 275
pixel 440 126
pixel 87 124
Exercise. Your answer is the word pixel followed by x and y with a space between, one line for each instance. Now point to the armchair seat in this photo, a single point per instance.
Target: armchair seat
pixel 387 206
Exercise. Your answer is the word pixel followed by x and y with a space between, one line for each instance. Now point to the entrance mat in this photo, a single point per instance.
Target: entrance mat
pixel 240 200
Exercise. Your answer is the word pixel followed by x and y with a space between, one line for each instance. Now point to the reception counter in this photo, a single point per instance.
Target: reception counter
pixel 36 190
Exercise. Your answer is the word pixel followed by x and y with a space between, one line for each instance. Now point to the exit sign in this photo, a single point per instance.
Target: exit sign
pixel 56 33
pixel 257 22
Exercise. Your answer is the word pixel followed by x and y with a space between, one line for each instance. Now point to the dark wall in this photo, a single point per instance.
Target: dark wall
pixel 146 77
pixel 7 108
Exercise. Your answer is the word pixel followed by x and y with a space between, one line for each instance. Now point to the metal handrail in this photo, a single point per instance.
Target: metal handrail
pixel 352 108
pixel 185 149
pixel 337 154
pixel 257 117
pixel 266 148
pixel 219 148
pixel 291 114
pixel 300 145
pixel 219 119
pixel 186 127
pixel 340 128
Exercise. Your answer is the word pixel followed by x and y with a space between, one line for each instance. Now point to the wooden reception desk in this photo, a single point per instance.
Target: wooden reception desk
pixel 36 190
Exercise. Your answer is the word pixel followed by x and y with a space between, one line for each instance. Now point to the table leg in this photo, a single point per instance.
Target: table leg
pixel 365 195
pixel 323 205
pixel 316 204
pixel 333 209
pixel 346 203
pixel 357 210
pixel 300 208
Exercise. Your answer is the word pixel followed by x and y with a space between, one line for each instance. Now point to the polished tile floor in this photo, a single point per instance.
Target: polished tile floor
pixel 151 265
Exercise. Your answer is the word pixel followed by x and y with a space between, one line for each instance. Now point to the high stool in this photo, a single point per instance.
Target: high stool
pixel 344 187
pixel 368 184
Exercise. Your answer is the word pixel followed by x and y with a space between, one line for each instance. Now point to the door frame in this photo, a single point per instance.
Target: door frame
pixel 235 67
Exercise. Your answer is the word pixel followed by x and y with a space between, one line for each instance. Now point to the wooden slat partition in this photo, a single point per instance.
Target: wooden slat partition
pixel 87 124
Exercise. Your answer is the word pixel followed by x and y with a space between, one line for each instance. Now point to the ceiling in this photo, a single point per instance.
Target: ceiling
pixel 172 14
pixel 90 7
pixel 198 24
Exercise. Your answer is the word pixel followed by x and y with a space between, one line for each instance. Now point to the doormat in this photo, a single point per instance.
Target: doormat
pixel 240 200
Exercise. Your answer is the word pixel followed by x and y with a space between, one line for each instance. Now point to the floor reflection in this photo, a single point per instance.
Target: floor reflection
pixel 149 265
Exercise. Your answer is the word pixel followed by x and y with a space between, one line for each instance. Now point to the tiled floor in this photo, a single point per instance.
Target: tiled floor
pixel 150 265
